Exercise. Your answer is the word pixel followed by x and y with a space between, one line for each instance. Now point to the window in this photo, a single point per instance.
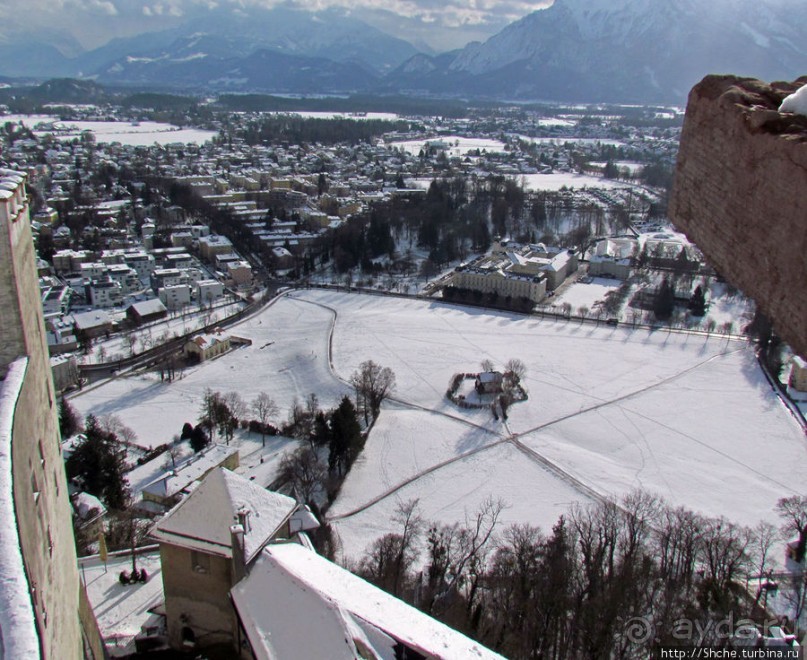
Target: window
pixel 200 562
pixel 35 487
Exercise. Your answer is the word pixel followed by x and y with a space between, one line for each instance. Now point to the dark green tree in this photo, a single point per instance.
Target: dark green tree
pixel 665 301
pixel 68 419
pixel 97 463
pixel 346 439
pixel 697 303
pixel 199 438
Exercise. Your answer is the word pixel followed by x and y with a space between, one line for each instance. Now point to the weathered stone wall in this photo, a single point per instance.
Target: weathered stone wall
pixel 40 488
pixel 741 194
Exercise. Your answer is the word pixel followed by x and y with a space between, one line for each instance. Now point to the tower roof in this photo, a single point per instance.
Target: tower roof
pixel 203 520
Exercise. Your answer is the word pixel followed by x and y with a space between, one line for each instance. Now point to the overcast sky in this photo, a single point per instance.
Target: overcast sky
pixel 443 24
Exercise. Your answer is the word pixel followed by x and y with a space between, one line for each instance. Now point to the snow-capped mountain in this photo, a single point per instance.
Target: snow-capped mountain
pixel 633 50
pixel 220 35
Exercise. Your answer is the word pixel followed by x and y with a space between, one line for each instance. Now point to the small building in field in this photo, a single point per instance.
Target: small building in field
pixel 206 346
pixel 489 382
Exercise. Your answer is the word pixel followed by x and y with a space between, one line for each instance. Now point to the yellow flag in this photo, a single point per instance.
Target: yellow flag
pixel 102 551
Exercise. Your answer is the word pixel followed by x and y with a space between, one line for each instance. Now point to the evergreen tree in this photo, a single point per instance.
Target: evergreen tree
pixel 199 438
pixel 345 441
pixel 97 462
pixel 697 303
pixel 68 419
pixel 665 301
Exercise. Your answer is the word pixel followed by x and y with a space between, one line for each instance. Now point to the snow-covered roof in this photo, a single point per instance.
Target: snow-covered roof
pixel 147 307
pixel 87 506
pixel 203 520
pixel 194 468
pixel 490 377
pixel 93 319
pixel 207 340
pixel 325 610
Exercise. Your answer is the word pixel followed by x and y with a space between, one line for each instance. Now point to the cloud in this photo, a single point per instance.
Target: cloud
pixel 100 7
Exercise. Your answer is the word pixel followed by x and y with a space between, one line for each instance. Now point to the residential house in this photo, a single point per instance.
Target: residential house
pixel 167 490
pixel 206 346
pixel 146 311
pixel 202 561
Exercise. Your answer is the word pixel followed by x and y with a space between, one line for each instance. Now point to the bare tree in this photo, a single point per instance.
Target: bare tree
pixel 582 312
pixel 304 471
pixel 265 409
pixel 372 384
pixel 237 406
pixel 114 424
pixel 793 511
pixel 516 368
pixel 486 365
pixel 389 558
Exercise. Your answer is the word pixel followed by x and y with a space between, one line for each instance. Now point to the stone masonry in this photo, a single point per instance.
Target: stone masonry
pixel 741 193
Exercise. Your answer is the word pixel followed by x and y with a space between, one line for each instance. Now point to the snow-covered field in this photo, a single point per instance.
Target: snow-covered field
pixel 586 294
pixel 363 116
pixel 688 417
pixel 558 180
pixel 563 139
pixel 140 134
pixel 457 145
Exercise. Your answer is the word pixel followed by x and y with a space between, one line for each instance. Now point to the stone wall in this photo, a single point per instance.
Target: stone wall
pixel 741 194
pixel 40 494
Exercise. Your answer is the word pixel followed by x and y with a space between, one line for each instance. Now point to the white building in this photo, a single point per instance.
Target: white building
pixel 209 290
pixel 176 296
pixel 104 293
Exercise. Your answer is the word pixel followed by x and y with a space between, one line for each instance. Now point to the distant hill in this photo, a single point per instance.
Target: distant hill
pixel 632 51
pixel 627 51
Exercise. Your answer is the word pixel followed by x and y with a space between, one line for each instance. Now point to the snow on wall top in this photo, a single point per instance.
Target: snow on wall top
pixel 20 638
pixel 203 520
pixel 300 623
pixel 348 592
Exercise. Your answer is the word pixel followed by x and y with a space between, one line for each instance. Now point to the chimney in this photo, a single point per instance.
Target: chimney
pixel 243 519
pixel 239 553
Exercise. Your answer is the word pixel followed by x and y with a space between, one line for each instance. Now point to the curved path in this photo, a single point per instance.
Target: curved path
pixel 507 436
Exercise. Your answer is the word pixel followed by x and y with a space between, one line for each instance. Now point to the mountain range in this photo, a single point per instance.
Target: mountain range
pixel 629 51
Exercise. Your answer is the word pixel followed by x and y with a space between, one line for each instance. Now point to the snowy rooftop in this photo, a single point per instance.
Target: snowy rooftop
pixel 203 520
pixel 325 610
pixel 146 307
pixel 197 466
pixel 91 319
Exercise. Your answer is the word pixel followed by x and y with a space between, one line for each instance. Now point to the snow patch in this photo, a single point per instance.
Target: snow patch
pixel 796 102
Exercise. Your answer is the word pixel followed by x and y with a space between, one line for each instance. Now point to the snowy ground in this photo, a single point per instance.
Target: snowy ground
pixel 118 347
pixel 140 134
pixel 558 180
pixel 610 409
pixel 143 134
pixel 288 359
pixel 457 145
pixel 121 609
pixel 586 294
